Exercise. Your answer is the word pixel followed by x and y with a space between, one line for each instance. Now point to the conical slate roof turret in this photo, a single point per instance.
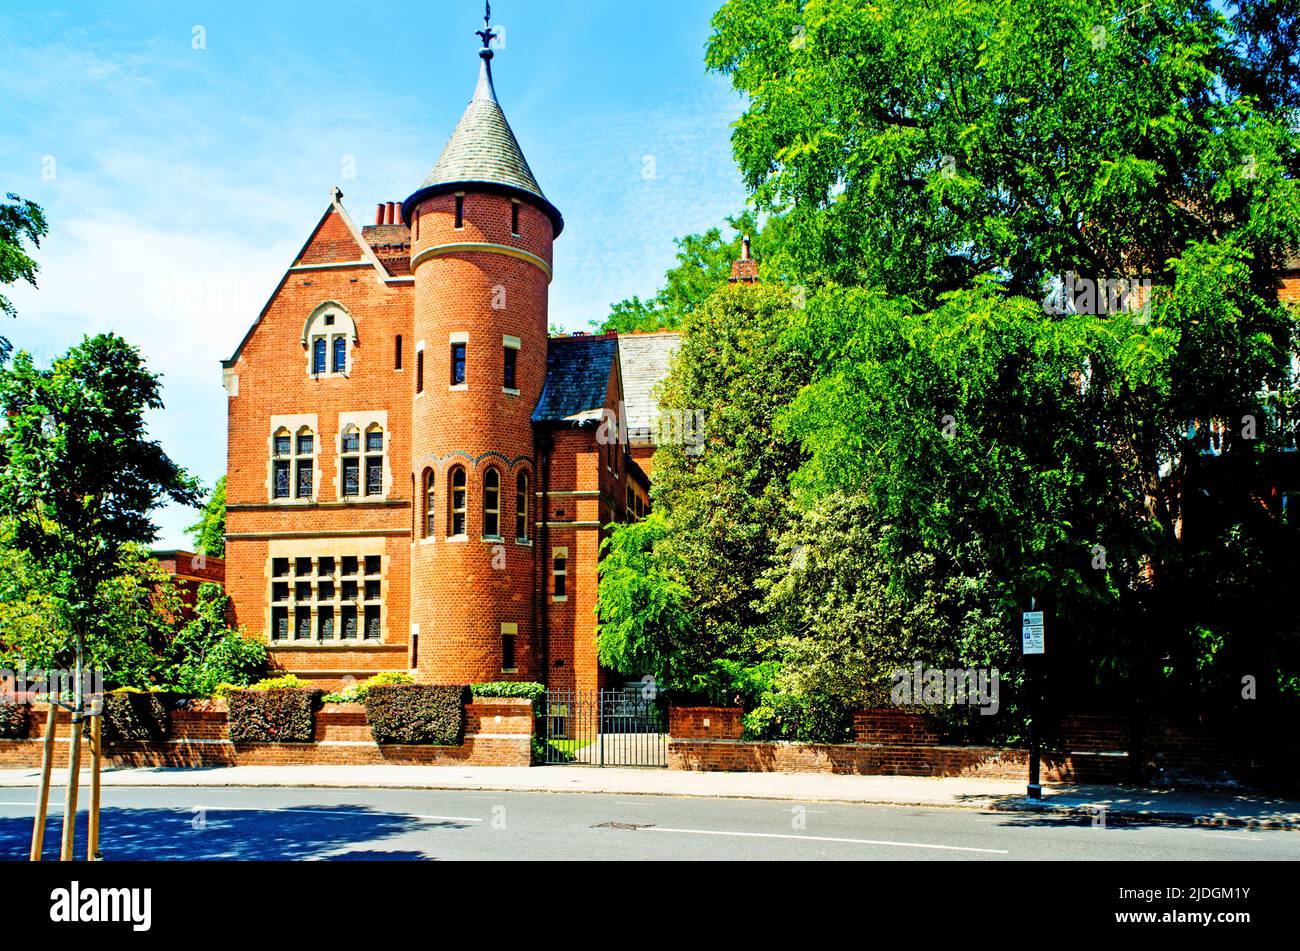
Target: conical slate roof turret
pixel 483 153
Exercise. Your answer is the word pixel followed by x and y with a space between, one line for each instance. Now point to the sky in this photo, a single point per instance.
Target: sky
pixel 183 152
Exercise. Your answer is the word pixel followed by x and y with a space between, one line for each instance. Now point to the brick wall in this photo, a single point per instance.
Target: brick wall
pixel 886 743
pixel 498 732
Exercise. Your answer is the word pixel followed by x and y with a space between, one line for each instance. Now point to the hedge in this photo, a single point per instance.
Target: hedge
pixel 134 717
pixel 510 688
pixel 13 720
pixel 417 713
pixel 272 716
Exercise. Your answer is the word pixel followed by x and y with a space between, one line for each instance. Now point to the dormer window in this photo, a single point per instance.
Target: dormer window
pixel 329 336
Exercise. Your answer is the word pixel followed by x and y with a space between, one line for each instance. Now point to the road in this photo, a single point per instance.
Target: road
pixel 370 824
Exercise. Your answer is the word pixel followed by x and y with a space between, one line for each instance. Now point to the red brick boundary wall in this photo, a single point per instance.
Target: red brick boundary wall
pixel 498 732
pixel 886 743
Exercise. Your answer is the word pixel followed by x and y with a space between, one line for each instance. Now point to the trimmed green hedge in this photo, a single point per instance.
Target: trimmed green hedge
pixel 417 713
pixel 13 721
pixel 134 717
pixel 272 716
pixel 510 688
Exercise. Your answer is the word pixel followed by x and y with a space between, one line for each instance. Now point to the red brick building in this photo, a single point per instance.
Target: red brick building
pixel 419 477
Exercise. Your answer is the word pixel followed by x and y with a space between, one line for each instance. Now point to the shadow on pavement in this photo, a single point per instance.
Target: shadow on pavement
pixel 161 834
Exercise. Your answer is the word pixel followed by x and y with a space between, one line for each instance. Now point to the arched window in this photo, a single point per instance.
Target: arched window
pixel 429 499
pixel 282 464
pixel 456 506
pixel 304 452
pixel 492 503
pixel 328 335
pixel 350 450
pixel 521 507
pixel 375 461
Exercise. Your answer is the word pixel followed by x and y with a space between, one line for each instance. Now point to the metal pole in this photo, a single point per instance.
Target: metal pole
pixel 97 758
pixel 1035 790
pixel 600 722
pixel 47 766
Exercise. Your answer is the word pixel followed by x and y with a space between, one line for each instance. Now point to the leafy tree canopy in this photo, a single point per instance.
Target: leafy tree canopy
pixel 20 221
pixel 209 532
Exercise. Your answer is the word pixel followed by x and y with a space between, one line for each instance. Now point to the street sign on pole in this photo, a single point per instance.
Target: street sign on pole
pixel 1031 633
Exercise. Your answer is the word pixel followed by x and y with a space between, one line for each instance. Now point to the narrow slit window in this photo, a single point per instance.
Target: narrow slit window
pixel 457 364
pixel 521 507
pixel 419 372
pixel 429 498
pixel 460 211
pixel 514 219
pixel 456 508
pixel 397 353
pixel 561 571
pixel 510 376
pixel 492 503
pixel 508 662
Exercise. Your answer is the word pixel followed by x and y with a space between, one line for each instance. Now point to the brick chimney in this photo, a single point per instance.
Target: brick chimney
pixel 744 271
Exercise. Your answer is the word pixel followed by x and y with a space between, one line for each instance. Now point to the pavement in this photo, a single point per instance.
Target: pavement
pixel 1228 809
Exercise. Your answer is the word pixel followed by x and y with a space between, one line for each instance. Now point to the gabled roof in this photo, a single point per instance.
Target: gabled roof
pixel 357 241
pixel 644 360
pixel 577 379
pixel 483 153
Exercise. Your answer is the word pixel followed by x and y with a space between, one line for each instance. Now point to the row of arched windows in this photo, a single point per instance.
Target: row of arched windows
pixel 457 506
pixel 361 463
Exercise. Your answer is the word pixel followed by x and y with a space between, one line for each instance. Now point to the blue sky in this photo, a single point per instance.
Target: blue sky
pixel 179 182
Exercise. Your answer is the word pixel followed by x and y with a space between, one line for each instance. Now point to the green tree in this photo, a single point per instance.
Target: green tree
pixel 80 475
pixel 722 496
pixel 20 221
pixel 946 171
pixel 209 532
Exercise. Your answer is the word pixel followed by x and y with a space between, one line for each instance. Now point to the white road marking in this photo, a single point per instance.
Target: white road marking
pixel 825 838
pixel 324 812
pixel 1243 837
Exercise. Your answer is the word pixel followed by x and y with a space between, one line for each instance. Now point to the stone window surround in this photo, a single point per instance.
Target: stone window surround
pixel 510 629
pixel 512 343
pixel 454 338
pixel 294 425
pixel 315 549
pixel 364 421
pixel 344 326
pixel 560 552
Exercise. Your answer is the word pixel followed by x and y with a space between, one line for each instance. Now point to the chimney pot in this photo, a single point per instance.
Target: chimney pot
pixel 379 213
pixel 744 254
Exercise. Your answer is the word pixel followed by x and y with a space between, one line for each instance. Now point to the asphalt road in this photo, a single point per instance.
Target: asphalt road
pixel 370 824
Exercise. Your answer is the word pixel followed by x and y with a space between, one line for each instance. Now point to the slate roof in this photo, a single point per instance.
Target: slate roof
pixel 577 378
pixel 484 151
pixel 644 360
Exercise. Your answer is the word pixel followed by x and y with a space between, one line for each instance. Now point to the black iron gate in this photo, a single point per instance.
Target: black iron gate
pixel 605 728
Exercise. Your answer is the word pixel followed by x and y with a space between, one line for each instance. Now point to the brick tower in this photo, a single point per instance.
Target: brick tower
pixel 481 237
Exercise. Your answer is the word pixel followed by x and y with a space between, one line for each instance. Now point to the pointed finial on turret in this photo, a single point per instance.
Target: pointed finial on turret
pixel 487 35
